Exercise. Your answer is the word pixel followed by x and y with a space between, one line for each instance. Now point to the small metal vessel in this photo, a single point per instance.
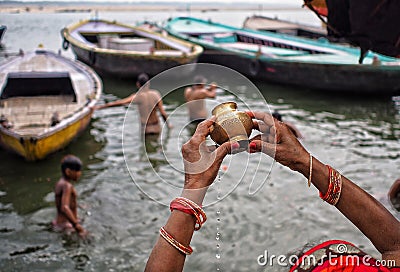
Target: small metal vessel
pixel 231 125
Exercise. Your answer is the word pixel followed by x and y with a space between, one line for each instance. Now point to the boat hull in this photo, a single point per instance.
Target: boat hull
pixel 289 60
pixel 328 77
pixel 128 66
pixel 32 148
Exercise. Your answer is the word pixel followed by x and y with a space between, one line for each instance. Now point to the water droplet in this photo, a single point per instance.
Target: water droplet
pixel 218 212
pixel 218 256
pixel 217 238
pixel 218 219
pixel 217 245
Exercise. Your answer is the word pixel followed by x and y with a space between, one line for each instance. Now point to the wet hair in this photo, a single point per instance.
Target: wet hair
pixel 277 115
pixel 142 79
pixel 70 162
pixel 199 79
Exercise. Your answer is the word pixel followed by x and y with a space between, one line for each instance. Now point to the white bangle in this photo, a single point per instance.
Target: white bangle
pixel 310 173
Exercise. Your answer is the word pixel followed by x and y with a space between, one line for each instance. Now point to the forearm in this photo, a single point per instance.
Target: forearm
pixel 180 225
pixel 70 215
pixel 364 211
pixel 164 257
pixel 113 104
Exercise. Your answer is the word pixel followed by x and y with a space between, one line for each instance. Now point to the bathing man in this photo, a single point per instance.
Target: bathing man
pixel 195 96
pixel 149 102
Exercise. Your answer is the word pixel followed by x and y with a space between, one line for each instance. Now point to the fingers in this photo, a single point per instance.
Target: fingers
pixel 256 125
pixel 225 149
pixel 265 117
pixel 261 146
pixel 250 114
pixel 203 129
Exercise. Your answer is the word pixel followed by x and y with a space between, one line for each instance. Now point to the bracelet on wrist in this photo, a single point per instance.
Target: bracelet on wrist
pixel 333 193
pixel 187 250
pixel 189 207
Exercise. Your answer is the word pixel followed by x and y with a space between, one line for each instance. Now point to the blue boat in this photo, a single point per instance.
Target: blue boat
pixel 290 60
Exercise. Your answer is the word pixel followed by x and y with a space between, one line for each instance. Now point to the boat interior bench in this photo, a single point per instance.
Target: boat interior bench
pixel 37 112
pixel 130 44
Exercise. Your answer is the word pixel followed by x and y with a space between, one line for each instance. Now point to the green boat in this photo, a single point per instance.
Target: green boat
pixel 290 60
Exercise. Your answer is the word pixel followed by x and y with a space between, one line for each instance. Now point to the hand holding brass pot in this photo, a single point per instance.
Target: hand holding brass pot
pixel 231 125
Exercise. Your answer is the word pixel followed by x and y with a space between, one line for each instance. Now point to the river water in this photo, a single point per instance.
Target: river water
pixel 357 135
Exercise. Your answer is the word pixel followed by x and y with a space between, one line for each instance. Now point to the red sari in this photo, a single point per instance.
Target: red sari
pixel 339 256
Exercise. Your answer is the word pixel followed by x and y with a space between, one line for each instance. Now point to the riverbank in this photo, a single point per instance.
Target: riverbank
pixel 60 7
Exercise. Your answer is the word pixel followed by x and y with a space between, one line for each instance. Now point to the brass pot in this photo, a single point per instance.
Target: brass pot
pixel 231 125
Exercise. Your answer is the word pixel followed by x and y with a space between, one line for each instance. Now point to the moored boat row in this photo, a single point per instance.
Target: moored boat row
pixel 290 60
pixel 44 107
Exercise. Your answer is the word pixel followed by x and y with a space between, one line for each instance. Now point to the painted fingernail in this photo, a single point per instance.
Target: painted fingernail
pixel 252 145
pixel 249 113
pixel 235 145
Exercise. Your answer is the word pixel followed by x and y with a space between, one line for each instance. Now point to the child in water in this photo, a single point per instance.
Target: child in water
pixel 66 197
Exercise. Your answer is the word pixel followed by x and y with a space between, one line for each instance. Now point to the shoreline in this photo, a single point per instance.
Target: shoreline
pixel 79 8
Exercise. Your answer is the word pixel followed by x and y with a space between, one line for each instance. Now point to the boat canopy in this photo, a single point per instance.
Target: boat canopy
pixel 371 25
pixel 38 84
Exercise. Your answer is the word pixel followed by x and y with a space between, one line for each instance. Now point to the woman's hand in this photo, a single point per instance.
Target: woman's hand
pixel 279 142
pixel 202 162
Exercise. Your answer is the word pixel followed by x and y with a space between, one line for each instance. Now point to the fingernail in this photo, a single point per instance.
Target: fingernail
pixel 250 114
pixel 235 145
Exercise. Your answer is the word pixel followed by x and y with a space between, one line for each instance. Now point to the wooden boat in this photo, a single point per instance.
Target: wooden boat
pixel 46 100
pixel 371 25
pixel 3 29
pixel 290 60
pixel 125 51
pixel 263 23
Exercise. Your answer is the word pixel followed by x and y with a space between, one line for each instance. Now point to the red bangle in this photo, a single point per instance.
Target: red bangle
pixel 189 207
pixel 322 196
pixel 172 241
pixel 334 189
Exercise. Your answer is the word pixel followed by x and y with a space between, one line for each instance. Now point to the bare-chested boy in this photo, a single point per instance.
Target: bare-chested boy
pixel 195 96
pixel 149 102
pixel 66 197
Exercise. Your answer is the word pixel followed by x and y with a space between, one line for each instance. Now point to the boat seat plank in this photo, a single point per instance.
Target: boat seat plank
pixel 27 112
pixel 328 58
pixel 268 50
pixel 168 53
pixel 30 101
pixel 31 130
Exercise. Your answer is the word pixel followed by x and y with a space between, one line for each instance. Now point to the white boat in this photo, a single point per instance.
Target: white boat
pixel 125 51
pixel 46 100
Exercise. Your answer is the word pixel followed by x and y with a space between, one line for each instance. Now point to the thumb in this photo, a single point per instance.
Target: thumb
pixel 261 146
pixel 225 149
